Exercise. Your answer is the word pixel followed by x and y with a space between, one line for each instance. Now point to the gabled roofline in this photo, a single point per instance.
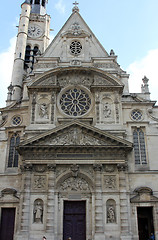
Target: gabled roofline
pixel 77 123
pixel 58 34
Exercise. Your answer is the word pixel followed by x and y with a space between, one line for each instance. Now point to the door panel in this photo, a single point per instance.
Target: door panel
pixel 74 220
pixel 7 223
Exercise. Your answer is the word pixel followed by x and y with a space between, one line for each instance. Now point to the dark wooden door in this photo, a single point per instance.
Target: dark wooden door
pixel 7 223
pixel 74 220
pixel 145 222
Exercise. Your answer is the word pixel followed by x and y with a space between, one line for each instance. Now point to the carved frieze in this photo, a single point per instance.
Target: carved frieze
pixel 74 184
pixel 75 79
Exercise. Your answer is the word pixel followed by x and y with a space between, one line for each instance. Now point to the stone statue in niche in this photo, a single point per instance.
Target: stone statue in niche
pixel 111 216
pixel 38 211
pixel 107 110
pixel 43 111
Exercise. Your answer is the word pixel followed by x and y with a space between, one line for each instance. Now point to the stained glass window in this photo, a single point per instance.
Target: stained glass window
pixel 75 102
pixel 139 146
pixel 13 154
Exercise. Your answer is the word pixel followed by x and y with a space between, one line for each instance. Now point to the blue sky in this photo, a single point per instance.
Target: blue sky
pixel 129 27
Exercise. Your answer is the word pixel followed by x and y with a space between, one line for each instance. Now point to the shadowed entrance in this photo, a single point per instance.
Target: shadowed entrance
pixel 145 222
pixel 7 223
pixel 74 225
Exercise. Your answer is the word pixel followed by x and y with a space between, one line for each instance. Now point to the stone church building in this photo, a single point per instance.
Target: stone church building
pixel 79 154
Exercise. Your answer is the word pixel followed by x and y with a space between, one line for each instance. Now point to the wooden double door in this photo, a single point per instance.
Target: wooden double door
pixel 74 222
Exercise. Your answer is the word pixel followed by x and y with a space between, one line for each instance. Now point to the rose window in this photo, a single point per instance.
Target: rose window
pixel 136 115
pixel 75 47
pixel 75 102
pixel 16 120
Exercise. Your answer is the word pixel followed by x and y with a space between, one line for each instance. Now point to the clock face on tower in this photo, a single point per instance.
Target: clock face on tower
pixel 34 31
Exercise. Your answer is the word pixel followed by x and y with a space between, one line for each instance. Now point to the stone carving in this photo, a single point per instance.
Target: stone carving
pixel 74 184
pixel 75 62
pixel 71 79
pixel 97 167
pixel 39 182
pixel 111 218
pixel 43 110
pixel 39 168
pixel 107 110
pixel 72 139
pixel 101 81
pixel 75 169
pixel 38 211
pixel 105 65
pixel 109 168
pixel 76 29
pixel 110 182
pixel 51 167
pixel 75 137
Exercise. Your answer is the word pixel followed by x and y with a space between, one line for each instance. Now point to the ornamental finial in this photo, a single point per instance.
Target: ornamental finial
pixel 75 8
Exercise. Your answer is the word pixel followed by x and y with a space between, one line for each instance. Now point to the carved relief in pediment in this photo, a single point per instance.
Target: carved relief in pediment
pixel 74 79
pixel 74 136
pixel 102 81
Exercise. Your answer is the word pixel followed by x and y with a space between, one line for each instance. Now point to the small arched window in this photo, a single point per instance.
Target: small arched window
pixel 35 51
pixel 27 56
pixel 13 154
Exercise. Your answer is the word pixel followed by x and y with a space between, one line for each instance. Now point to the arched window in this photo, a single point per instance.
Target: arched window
pixel 35 51
pixel 27 56
pixel 13 154
pixel 139 146
pixel 43 3
pixel 37 1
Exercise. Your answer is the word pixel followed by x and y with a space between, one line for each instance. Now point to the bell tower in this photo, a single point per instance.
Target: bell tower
pixel 32 39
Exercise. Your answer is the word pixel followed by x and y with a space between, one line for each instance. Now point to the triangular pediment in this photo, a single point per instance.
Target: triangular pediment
pixel 75 28
pixel 76 134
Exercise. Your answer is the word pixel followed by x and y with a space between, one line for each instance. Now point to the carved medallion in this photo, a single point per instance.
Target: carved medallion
pixel 74 184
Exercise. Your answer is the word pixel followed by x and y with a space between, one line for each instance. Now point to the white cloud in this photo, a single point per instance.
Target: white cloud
pixel 60 6
pixel 147 66
pixel 6 65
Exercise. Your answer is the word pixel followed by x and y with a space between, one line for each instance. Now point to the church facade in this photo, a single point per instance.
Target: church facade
pixel 79 155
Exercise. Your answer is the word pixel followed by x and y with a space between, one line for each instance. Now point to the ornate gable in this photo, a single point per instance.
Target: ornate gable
pixel 75 141
pixel 76 133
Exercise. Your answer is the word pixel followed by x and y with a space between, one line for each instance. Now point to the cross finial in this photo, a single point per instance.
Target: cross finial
pixel 75 3
pixel 75 8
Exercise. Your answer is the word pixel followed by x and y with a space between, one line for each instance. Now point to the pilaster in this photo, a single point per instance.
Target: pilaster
pixel 51 200
pixel 124 218
pixel 99 229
